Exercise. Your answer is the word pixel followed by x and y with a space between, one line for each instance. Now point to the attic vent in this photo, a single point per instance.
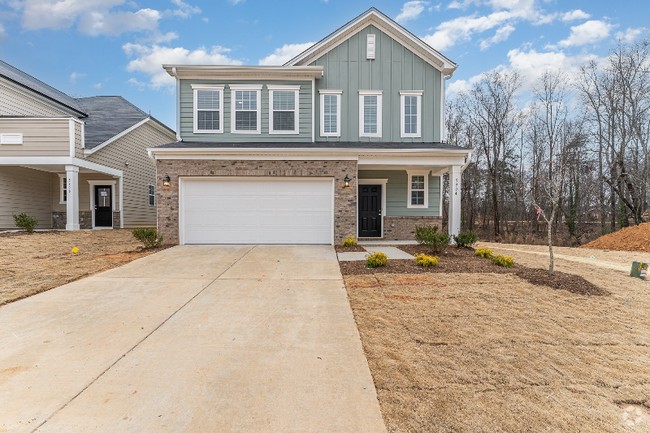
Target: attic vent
pixel 16 138
pixel 370 52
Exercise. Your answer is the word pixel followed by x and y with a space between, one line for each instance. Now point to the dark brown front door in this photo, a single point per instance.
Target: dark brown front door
pixel 370 211
pixel 103 206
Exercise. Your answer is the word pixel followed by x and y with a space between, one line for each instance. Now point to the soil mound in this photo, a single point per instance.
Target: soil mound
pixel 636 238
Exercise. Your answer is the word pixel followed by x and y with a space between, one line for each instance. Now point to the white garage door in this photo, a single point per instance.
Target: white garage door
pixel 256 211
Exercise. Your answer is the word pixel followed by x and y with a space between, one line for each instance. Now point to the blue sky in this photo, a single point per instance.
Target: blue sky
pixel 116 47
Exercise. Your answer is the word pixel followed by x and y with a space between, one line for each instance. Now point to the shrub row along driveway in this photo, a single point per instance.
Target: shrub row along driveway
pixel 214 338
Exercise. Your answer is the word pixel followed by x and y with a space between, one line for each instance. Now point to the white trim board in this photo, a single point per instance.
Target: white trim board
pixel 383 183
pixel 410 174
pixel 92 184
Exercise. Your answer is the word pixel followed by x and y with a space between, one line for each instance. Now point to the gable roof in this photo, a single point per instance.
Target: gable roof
pixel 385 24
pixel 108 116
pixel 23 79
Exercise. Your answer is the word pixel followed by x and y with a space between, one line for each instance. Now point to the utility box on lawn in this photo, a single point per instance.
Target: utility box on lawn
pixel 639 270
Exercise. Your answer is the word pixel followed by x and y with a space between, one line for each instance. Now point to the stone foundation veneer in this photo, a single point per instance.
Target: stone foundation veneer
pixel 116 219
pixel 345 199
pixel 59 220
pixel 404 229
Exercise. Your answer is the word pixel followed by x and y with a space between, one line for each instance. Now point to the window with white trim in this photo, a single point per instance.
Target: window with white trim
pixel 411 113
pixel 63 189
pixel 152 195
pixel 330 113
pixel 208 109
pixel 370 113
pixel 246 102
pixel 418 189
pixel 283 109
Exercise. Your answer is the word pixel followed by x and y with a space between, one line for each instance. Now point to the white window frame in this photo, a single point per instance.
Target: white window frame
pixel 296 90
pixel 338 94
pixel 62 188
pixel 418 94
pixel 378 94
pixel 149 195
pixel 195 108
pixel 412 173
pixel 245 87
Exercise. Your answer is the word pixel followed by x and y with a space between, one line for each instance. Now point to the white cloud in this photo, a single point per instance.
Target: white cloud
pixel 97 86
pixel 630 35
pixel 3 34
pixel 185 10
pixel 575 15
pixel 116 23
pixel 587 33
pixel 282 55
pixel 236 2
pixel 140 85
pixel 411 10
pixel 74 76
pixel 501 35
pixel 149 60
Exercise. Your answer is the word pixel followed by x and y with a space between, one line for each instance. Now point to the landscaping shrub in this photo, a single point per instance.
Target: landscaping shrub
pixel 350 241
pixel 376 259
pixel 429 236
pixel 486 253
pixel 426 261
pixel 148 237
pixel 504 261
pixel 465 239
pixel 26 222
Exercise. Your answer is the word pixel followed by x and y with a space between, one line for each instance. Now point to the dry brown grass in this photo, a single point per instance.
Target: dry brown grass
pixel 34 263
pixel 492 353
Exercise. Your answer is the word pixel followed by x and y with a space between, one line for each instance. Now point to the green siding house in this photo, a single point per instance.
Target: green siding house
pixel 346 139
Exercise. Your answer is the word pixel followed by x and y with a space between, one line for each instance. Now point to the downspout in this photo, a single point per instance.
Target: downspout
pixel 178 104
pixel 152 158
pixel 122 201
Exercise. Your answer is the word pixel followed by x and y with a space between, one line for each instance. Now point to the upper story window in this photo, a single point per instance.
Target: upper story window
pixel 370 113
pixel 411 113
pixel 283 109
pixel 418 189
pixel 330 113
pixel 245 111
pixel 208 108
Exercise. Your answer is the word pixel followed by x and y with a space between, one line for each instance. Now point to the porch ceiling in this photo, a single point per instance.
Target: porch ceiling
pixel 435 169
pixel 56 168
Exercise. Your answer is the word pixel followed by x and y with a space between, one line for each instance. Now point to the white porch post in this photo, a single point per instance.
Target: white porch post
pixel 72 199
pixel 454 200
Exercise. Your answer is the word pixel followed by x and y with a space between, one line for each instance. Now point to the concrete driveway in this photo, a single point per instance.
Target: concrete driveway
pixel 192 339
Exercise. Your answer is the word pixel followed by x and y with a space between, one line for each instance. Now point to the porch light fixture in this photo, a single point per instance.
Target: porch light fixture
pixel 347 181
pixel 166 180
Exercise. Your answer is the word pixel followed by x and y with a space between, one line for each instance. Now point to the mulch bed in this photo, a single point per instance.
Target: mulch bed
pixel 26 233
pixel 463 260
pixel 354 249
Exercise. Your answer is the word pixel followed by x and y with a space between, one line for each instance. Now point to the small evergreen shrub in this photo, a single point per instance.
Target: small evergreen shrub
pixel 26 222
pixel 486 253
pixel 465 239
pixel 350 241
pixel 426 261
pixel 375 260
pixel 429 236
pixel 504 261
pixel 148 237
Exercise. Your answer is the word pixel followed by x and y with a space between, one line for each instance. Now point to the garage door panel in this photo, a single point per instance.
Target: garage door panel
pixel 257 211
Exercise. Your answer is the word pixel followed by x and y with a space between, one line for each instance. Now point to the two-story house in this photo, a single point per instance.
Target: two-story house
pixel 346 139
pixel 74 163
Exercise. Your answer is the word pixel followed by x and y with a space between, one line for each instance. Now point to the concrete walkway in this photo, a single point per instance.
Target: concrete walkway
pixel 192 339
pixel 393 253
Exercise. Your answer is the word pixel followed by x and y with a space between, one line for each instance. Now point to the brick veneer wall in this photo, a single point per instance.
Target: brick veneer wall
pixel 404 229
pixel 345 199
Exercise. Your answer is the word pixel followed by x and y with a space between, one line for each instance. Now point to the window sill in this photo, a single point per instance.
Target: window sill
pixel 246 132
pixel 284 132
pixel 206 131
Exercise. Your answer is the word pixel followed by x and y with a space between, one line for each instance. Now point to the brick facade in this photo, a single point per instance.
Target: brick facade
pixel 404 227
pixel 345 199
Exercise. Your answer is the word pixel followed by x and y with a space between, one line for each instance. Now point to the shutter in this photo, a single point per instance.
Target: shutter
pixel 370 52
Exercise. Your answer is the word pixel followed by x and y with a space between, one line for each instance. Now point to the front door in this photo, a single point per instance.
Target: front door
pixel 103 206
pixel 370 211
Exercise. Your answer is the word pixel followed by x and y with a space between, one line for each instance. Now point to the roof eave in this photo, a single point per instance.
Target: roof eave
pixel 215 71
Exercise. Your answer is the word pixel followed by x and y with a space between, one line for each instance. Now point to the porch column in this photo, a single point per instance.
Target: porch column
pixel 454 200
pixel 72 200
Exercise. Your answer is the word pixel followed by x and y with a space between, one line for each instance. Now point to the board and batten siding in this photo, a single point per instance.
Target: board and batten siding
pixel 13 102
pixel 138 175
pixel 397 193
pixel 395 68
pixel 187 113
pixel 41 137
pixel 25 190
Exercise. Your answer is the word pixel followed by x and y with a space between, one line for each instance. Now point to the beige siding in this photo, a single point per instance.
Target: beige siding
pixel 140 172
pixel 41 137
pixel 25 190
pixel 78 150
pixel 13 103
pixel 84 191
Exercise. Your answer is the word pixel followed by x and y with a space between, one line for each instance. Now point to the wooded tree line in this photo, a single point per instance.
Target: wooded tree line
pixel 576 154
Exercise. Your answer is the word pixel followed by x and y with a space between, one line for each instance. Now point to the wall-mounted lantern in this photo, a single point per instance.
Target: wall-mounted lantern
pixel 347 181
pixel 166 180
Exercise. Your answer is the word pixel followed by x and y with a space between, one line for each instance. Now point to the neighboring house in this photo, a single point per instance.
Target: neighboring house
pixel 74 162
pixel 346 139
